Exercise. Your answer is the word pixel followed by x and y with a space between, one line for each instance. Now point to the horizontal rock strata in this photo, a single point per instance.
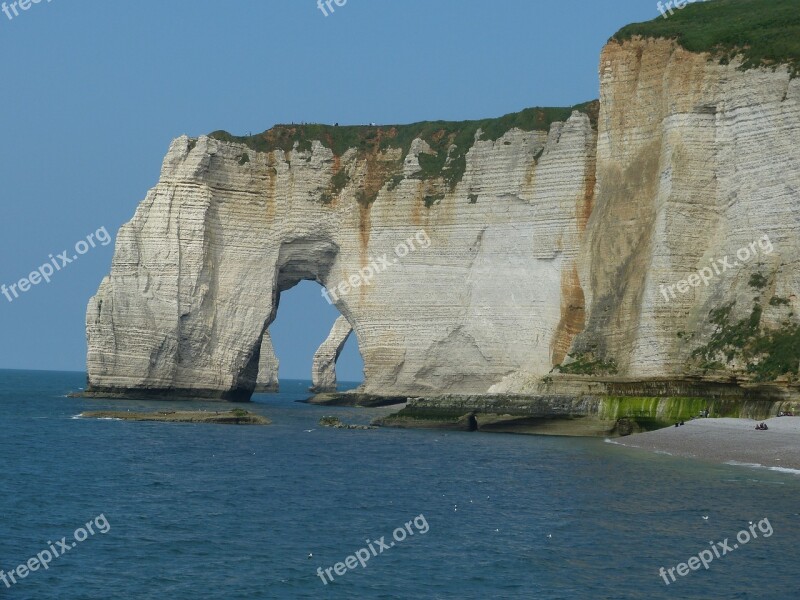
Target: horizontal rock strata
pixel 323 368
pixel 501 256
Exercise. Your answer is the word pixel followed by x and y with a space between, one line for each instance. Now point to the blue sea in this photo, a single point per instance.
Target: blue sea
pixel 234 512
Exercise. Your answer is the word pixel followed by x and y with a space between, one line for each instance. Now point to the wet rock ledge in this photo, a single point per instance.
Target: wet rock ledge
pixel 232 417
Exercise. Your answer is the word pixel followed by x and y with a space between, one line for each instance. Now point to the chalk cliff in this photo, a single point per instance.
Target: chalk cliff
pixel 453 273
pixel 323 367
pixel 480 256
pixel 696 161
pixel 268 363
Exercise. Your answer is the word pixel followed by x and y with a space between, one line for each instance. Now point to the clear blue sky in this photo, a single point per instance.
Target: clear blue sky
pixel 93 92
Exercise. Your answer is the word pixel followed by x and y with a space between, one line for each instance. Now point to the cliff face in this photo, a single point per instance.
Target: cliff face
pixel 323 366
pixel 268 364
pixel 696 161
pixel 483 270
pixel 455 282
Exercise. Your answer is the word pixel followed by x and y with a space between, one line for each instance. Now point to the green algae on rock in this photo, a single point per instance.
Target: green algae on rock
pixel 237 416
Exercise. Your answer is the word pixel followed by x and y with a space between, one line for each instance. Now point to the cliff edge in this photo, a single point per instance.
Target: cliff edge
pixel 650 235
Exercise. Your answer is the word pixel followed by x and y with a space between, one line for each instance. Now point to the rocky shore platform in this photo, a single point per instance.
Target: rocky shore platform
pixel 233 417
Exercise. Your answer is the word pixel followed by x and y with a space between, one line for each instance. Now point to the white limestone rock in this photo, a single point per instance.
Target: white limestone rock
pixel 552 242
pixel 323 371
pixel 268 364
pixel 197 272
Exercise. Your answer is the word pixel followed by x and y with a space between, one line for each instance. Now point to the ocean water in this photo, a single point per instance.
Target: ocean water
pixel 215 511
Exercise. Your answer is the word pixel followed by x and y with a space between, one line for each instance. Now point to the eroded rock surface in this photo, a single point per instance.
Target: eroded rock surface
pixel 466 288
pixel 696 161
pixel 323 370
pixel 268 364
pixel 483 264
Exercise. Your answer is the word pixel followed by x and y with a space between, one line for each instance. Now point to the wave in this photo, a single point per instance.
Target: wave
pixel 96 418
pixel 736 463
pixel 785 470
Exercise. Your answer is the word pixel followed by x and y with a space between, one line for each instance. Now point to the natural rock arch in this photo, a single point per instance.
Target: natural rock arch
pixel 184 311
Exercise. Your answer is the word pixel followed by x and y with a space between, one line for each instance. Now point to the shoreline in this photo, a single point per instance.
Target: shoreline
pixel 727 441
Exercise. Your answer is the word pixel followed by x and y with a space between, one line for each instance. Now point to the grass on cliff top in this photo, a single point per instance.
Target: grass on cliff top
pixel 765 32
pixel 440 135
pixel 363 137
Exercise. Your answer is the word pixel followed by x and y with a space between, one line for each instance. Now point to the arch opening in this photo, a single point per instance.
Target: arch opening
pixel 311 344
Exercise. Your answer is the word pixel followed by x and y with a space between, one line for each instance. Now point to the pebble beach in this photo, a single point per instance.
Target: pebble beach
pixel 728 441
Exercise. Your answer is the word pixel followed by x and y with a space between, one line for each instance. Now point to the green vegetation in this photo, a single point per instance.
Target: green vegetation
pixel 729 339
pixel 473 198
pixel 236 416
pixel 243 159
pixel 764 32
pixel 584 364
pixel 431 165
pixel 434 199
pixel 394 182
pixel 430 414
pixel 777 353
pixel 449 140
pixel 652 413
pixel 758 281
pixel 338 182
pixel 777 301
pixel 766 354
